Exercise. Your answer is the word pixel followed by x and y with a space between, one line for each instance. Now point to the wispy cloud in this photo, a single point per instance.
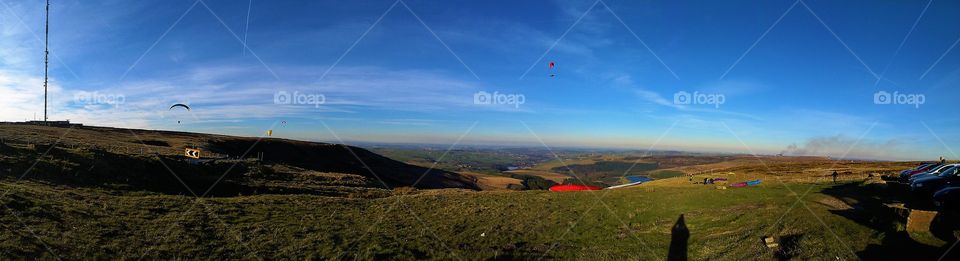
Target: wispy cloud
pixel 236 92
pixel 22 96
pixel 656 98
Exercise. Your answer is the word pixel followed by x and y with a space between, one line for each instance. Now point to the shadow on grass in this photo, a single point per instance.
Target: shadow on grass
pixel 867 201
pixel 679 240
pixel 789 247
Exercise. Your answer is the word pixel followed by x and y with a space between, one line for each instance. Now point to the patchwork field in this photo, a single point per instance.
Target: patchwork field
pixel 549 175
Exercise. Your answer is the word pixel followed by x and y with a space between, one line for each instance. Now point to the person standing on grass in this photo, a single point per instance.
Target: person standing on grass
pixel 942 160
pixel 835 176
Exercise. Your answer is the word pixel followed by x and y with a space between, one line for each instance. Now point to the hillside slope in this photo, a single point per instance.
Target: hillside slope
pixel 154 161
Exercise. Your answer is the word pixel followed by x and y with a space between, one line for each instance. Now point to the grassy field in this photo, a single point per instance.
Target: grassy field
pixel 492 182
pixel 549 175
pixel 487 161
pixel 636 223
pixel 291 212
pixel 610 169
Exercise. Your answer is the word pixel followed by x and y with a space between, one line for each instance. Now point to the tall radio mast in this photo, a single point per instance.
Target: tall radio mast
pixel 46 60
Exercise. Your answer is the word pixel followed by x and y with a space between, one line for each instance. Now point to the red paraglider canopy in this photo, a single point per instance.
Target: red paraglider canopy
pixel 552 64
pixel 573 188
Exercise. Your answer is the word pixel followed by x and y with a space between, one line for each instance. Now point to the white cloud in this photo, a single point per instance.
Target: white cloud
pixel 242 93
pixel 22 96
pixel 652 97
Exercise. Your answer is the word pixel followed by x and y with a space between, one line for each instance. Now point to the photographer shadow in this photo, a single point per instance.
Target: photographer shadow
pixel 679 240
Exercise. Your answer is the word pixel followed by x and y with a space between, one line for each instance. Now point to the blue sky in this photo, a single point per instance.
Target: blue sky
pixel 798 77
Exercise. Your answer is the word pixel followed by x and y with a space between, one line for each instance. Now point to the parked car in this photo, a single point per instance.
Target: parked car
pixel 921 165
pixel 947 198
pixel 928 185
pixel 933 172
pixel 906 174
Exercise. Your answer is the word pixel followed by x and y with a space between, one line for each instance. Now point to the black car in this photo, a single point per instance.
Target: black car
pixel 947 198
pixel 928 185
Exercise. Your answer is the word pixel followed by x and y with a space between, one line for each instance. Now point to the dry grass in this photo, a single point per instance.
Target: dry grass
pixel 548 175
pixel 494 183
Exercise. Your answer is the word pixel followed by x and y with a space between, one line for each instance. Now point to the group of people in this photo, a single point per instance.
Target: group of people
pixel 707 181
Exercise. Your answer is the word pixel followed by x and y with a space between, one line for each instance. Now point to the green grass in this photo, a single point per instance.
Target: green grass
pixel 629 224
pixel 619 168
pixel 663 174
pixel 481 161
pixel 606 172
